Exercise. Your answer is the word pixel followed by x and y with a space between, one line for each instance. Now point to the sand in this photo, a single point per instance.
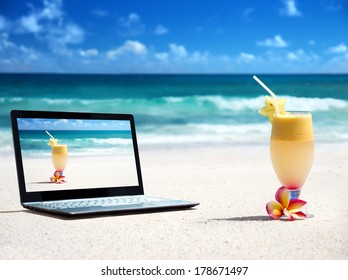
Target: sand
pixel 81 172
pixel 232 184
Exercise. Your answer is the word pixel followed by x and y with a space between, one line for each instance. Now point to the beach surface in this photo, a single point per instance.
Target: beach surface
pixel 82 172
pixel 232 185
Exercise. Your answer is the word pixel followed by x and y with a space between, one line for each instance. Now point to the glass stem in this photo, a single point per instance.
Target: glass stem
pixel 294 194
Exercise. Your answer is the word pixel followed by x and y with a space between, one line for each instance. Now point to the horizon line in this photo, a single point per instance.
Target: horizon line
pixel 183 73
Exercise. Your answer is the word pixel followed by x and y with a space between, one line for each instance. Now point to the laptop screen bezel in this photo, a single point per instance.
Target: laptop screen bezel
pixel 26 196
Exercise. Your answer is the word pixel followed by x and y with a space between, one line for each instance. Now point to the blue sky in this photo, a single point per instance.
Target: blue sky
pixel 65 124
pixel 174 36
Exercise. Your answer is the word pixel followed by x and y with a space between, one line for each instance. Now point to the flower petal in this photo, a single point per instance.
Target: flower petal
pixel 289 215
pixel 274 209
pixel 295 205
pixel 299 215
pixel 283 196
pixel 53 179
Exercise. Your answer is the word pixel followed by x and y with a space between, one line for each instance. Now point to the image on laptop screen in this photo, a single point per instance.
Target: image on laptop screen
pixel 88 153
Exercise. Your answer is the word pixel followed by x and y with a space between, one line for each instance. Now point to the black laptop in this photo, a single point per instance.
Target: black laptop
pixel 81 163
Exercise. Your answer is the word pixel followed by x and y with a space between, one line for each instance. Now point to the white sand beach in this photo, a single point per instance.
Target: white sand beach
pixel 232 185
pixel 82 172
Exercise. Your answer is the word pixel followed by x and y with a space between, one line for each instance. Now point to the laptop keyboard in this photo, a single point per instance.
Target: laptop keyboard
pixel 99 202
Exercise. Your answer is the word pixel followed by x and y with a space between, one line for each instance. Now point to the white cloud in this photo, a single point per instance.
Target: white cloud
pixel 49 24
pixel 341 48
pixel 30 24
pixel 161 56
pixel 70 34
pixel 292 56
pixel 178 55
pixel 5 42
pixel 161 30
pixel 199 56
pixel 31 53
pixel 245 57
pixel 133 17
pixel 178 50
pixel 6 61
pixel 288 61
pixel 277 42
pixel 3 23
pixel 290 9
pixel 52 9
pixel 302 56
pixel 225 58
pixel 337 64
pixel 59 37
pixel 14 52
pixel 311 42
pixel 89 52
pixel 131 25
pixel 132 47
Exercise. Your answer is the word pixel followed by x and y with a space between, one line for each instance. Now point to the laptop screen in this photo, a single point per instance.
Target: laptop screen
pixel 68 154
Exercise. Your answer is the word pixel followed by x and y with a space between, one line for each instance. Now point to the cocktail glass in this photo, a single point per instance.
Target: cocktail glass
pixel 292 149
pixel 60 157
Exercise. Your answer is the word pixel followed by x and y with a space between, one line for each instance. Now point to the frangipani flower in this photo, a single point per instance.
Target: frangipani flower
pixel 284 206
pixel 57 177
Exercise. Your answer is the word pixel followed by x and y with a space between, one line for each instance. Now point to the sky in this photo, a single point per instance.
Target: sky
pixel 174 36
pixel 70 124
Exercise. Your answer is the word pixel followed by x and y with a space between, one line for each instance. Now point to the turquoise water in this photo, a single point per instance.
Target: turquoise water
pixel 34 143
pixel 182 109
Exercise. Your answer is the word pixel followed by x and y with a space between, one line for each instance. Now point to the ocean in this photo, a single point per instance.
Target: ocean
pixel 184 110
pixel 34 143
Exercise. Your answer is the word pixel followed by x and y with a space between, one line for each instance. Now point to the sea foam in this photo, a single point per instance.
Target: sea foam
pixel 161 104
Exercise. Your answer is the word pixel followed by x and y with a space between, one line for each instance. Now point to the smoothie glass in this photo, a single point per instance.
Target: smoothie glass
pixel 59 159
pixel 292 153
pixel 292 149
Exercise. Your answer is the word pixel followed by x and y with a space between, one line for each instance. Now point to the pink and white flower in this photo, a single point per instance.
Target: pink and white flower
pixel 284 206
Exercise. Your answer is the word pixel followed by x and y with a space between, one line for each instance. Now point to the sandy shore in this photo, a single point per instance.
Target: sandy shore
pixel 232 185
pixel 82 172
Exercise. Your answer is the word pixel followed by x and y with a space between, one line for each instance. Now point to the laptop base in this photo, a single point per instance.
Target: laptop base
pixel 152 204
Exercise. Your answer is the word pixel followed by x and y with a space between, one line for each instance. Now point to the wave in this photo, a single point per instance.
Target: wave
pixel 76 153
pixel 6 147
pixel 228 134
pixel 110 141
pixel 209 119
pixel 209 134
pixel 190 135
pixel 161 105
pixel 11 99
pixel 293 103
pixel 77 144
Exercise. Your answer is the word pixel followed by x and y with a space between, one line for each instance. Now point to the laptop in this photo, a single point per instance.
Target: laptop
pixel 73 163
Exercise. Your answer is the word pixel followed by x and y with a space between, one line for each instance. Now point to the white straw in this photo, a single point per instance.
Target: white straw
pixel 49 134
pixel 270 92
